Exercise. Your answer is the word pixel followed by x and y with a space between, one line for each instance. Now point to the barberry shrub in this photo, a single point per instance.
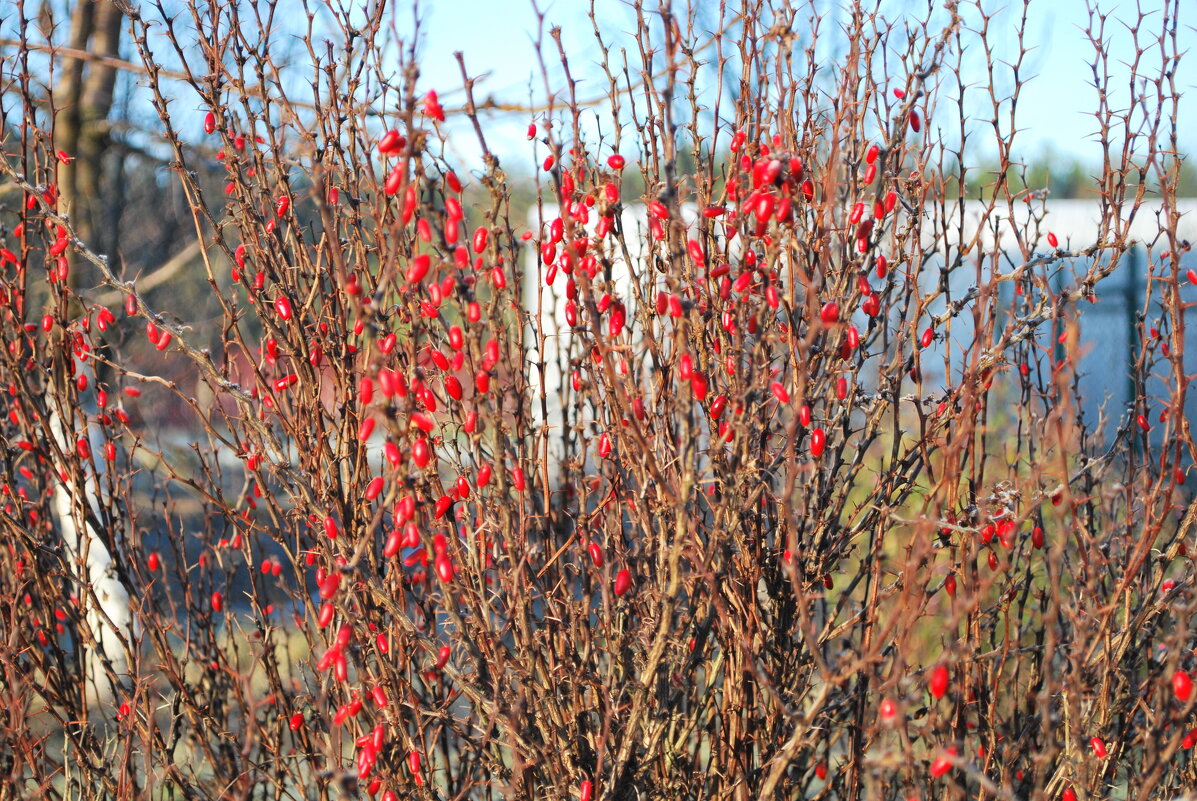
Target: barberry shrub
pixel 753 468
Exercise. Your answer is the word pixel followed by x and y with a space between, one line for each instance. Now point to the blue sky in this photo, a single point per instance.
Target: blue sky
pixel 1055 106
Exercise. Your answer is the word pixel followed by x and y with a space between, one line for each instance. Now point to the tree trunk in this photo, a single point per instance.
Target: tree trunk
pixel 83 100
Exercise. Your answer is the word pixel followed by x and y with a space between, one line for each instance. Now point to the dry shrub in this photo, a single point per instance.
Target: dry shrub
pixel 753 469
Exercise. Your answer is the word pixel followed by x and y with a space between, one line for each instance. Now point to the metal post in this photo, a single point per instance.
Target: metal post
pixel 1131 298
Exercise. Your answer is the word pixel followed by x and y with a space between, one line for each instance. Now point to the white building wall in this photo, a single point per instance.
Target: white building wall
pixel 1106 327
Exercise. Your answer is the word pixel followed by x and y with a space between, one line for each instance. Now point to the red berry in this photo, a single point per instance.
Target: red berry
pixel 418 268
pixel 943 763
pixel 420 452
pixel 390 142
pixel 394 181
pixel 1182 685
pixel 330 586
pixel 888 711
pixel 623 581
pixel 938 684
pixel 818 441
pixel 393 544
pixel 374 488
pixel 1190 740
